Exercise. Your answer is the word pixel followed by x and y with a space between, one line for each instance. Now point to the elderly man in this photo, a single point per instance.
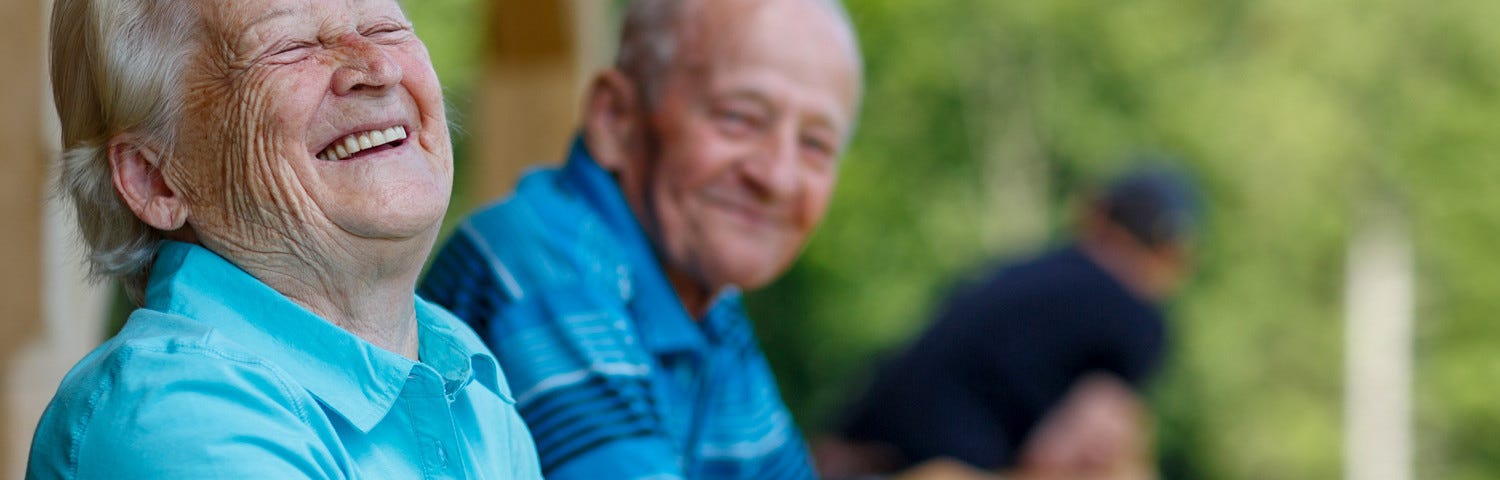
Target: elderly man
pixel 266 176
pixel 610 287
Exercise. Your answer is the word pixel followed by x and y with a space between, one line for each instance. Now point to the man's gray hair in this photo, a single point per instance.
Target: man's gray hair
pixel 653 33
pixel 116 69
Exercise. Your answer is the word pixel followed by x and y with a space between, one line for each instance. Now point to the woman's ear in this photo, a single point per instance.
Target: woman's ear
pixel 138 177
pixel 612 116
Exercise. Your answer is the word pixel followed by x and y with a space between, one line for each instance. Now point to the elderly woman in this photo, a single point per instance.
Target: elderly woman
pixel 266 177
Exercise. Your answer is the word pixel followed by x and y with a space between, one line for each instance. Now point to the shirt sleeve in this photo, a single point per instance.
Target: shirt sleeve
pixel 160 417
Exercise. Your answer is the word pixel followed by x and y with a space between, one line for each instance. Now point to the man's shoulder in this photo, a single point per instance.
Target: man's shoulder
pixel 528 259
pixel 540 202
pixel 1052 279
pixel 543 235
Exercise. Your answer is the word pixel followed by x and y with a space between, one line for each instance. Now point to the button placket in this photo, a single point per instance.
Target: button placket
pixel 432 421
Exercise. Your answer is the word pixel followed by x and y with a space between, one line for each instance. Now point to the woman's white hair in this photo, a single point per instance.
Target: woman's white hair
pixel 653 33
pixel 116 69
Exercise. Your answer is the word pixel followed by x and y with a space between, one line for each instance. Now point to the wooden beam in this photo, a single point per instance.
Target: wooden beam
pixel 537 57
pixel 22 97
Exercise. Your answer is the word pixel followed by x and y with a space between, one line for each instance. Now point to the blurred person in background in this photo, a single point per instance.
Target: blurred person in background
pixel 1036 370
pixel 610 286
pixel 266 178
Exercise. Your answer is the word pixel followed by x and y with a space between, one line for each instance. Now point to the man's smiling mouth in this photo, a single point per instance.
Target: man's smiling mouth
pixel 356 143
pixel 747 211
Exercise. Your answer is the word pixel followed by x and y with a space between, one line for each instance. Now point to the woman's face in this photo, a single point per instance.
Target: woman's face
pixel 311 126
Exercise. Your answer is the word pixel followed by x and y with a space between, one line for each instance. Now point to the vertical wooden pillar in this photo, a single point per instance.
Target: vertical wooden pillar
pixel 24 162
pixel 537 57
pixel 53 315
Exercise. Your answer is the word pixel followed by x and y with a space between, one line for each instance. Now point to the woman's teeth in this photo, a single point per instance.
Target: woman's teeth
pixel 357 142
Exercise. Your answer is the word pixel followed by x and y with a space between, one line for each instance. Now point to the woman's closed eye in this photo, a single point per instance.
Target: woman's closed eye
pixel 291 51
pixel 387 31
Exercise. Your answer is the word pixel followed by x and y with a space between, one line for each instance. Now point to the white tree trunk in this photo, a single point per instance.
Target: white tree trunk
pixel 1378 349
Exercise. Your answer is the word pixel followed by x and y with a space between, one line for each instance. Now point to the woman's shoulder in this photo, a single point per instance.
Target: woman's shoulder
pixel 165 395
pixel 175 342
pixel 163 357
pixel 163 386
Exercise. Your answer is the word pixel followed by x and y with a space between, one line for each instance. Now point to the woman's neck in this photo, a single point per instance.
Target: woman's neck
pixel 366 288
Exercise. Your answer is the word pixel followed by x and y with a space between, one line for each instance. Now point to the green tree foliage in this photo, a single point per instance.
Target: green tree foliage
pixel 1292 115
pixel 453 32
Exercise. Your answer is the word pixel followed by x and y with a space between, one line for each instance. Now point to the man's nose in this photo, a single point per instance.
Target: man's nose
pixel 773 173
pixel 366 67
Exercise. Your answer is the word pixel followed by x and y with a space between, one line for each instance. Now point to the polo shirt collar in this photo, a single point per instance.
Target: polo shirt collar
pixel 664 325
pixel 352 377
pixel 454 351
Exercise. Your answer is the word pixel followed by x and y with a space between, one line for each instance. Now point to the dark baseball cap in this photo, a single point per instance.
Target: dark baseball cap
pixel 1155 203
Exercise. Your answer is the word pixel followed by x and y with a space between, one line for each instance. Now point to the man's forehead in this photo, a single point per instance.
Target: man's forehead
pixel 703 21
pixel 734 45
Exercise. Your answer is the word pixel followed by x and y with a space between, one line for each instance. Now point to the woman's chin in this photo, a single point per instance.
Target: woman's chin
pixel 394 221
pixel 410 208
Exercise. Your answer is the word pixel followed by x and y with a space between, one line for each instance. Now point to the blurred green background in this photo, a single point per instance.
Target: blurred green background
pixel 982 119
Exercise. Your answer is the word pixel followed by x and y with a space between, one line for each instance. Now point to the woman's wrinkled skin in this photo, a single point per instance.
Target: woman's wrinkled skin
pixel 272 84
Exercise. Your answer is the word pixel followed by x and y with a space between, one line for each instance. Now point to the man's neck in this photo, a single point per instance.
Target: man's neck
pixel 1122 265
pixel 695 297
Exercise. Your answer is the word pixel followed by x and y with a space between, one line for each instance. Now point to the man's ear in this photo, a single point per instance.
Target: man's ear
pixel 136 166
pixel 612 116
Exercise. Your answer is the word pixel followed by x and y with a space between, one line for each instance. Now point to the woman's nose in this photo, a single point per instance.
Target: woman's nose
pixel 366 67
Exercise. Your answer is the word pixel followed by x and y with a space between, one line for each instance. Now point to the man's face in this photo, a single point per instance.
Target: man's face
pixel 308 123
pixel 743 143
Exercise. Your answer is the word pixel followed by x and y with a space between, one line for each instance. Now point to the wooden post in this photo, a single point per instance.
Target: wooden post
pixel 21 131
pixel 537 57
pixel 53 314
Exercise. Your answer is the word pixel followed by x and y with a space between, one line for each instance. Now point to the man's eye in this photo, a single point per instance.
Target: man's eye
pixel 736 121
pixel 819 148
pixel 817 144
pixel 735 117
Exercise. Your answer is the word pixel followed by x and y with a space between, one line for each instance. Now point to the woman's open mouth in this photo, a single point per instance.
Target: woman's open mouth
pixel 363 143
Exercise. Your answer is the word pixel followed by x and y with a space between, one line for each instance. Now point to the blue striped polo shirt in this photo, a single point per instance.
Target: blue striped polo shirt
pixel 613 376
